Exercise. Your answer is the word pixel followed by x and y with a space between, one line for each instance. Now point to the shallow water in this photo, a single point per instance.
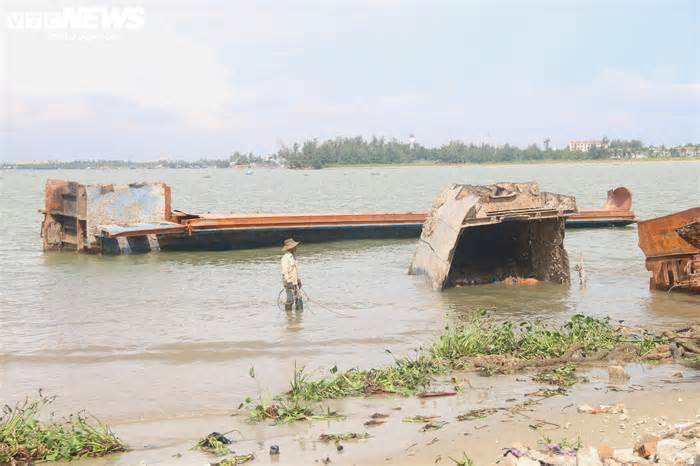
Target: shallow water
pixel 171 334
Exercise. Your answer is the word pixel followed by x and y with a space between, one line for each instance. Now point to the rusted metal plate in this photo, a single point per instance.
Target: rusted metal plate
pixel 442 227
pixel 658 237
pixel 616 211
pixel 464 207
pixel 141 229
pixel 619 199
pixel 690 233
pixel 124 204
pixel 671 246
pixel 73 213
pixel 287 220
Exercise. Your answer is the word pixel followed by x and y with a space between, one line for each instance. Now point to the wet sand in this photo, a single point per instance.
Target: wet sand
pixel 655 397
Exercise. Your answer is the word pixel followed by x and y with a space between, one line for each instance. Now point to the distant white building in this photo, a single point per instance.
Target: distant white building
pixel 585 146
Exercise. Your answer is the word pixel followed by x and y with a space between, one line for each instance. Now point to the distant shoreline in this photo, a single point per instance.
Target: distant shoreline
pixel 518 162
pixel 417 164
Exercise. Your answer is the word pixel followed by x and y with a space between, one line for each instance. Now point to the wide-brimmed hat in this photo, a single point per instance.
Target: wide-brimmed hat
pixel 289 244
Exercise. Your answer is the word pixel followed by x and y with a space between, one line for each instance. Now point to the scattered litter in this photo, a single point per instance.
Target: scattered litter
pixel 234 460
pixel 374 422
pixel 435 394
pixel 343 436
pixel 603 409
pixel 379 416
pixel 617 374
pixel 548 392
pixel 274 449
pixel 433 426
pixel 421 418
pixel 477 414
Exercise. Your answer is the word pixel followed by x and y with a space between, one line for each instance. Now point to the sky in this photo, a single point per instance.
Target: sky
pixel 201 79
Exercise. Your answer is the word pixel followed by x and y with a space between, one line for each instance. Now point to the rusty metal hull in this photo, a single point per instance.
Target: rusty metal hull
pixel 609 220
pixel 250 238
pixel 672 257
pixel 75 213
pixel 482 234
pixel 116 219
pixel 617 212
pixel 217 232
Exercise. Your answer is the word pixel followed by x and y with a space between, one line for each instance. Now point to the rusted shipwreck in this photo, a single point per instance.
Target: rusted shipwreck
pixel 671 245
pixel 617 212
pixel 500 232
pixel 138 217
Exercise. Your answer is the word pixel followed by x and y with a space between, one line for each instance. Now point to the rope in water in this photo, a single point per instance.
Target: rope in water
pixel 307 298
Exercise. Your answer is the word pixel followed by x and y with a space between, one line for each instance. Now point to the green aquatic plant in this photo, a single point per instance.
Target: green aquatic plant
pixel 477 414
pixel 464 461
pixel 405 377
pixel 693 362
pixel 235 460
pixel 345 436
pixel 514 346
pixel 649 343
pixel 527 340
pixel 25 439
pixel 215 444
pixel 283 410
pixel 563 376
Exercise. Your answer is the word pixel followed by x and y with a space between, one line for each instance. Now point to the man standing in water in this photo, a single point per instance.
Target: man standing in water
pixel 290 276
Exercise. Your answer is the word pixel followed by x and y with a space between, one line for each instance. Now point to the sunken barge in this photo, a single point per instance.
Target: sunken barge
pixel 138 217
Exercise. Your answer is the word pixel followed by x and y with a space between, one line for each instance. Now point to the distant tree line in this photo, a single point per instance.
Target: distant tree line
pixel 361 151
pixel 357 150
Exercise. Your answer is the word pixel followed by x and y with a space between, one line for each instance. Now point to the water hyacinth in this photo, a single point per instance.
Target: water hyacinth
pixel 24 438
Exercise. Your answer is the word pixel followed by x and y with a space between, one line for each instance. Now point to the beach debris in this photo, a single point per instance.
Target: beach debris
pixel 435 425
pixel 588 457
pixel 627 456
pixel 214 443
pixel 343 436
pixel 274 450
pixel 548 392
pixel 485 234
pixel 339 447
pixel 235 460
pixel 602 409
pixel 434 394
pixel 374 422
pixel 379 416
pixel 658 353
pixel 678 446
pixel 564 376
pixel 617 374
pixel 420 418
pixel 477 414
pixel 674 451
pixel 646 449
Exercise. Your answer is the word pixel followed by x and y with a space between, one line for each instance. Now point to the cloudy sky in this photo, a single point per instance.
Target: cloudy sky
pixel 203 79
